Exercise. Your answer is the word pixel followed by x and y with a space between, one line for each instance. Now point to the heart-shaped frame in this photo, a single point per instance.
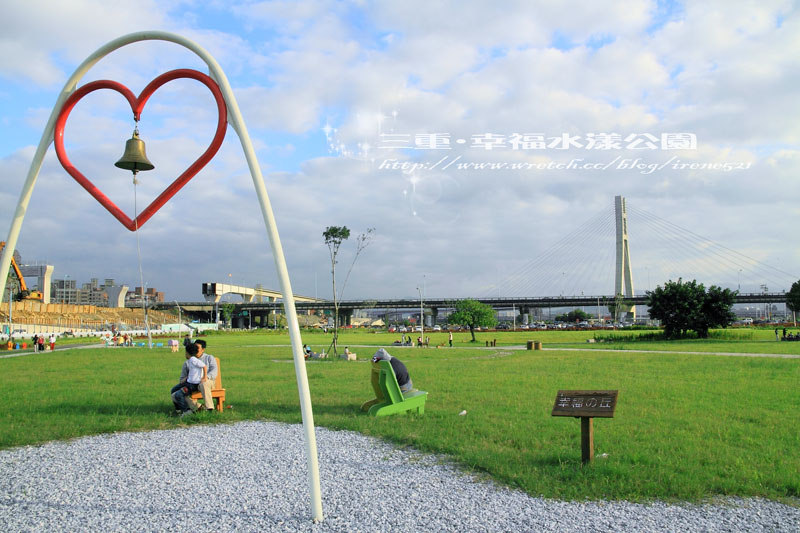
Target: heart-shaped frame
pixel 137 104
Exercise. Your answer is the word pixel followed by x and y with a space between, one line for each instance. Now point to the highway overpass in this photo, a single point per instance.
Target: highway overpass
pixel 258 312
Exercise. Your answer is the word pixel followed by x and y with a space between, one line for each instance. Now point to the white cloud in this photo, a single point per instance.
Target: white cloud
pixel 727 74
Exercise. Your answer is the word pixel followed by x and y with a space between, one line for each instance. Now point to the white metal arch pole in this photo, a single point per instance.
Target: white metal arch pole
pixel 237 122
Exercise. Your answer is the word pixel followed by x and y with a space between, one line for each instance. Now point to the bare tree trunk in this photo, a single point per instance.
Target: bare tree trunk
pixel 335 307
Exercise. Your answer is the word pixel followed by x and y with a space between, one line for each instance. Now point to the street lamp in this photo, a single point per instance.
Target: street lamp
pixel 599 321
pixel 421 316
pixel 180 322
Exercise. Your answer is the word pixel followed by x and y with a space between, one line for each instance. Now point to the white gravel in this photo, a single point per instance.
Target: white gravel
pixel 251 476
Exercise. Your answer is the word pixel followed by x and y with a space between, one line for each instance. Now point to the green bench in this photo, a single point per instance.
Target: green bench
pixel 388 398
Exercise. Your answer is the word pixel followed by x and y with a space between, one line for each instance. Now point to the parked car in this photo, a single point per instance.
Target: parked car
pixel 437 328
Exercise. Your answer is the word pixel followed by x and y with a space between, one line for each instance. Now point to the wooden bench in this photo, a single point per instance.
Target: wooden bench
pixel 389 399
pixel 217 392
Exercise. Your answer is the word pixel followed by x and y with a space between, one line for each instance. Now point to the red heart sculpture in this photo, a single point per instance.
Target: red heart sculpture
pixel 137 104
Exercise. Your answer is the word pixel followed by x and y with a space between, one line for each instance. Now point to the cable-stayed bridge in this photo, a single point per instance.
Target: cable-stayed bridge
pixel 629 251
pixel 614 240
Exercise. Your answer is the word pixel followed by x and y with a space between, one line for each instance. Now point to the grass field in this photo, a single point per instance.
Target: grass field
pixel 687 427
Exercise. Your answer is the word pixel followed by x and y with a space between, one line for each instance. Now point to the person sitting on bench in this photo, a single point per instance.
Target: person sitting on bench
pixel 197 373
pixel 400 370
pixel 313 355
pixel 348 355
pixel 211 373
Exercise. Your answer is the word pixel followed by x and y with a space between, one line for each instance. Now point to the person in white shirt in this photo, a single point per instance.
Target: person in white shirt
pixel 350 356
pixel 196 374
pixel 211 374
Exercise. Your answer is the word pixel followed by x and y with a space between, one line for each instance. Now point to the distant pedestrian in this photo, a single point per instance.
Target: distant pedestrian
pixel 35 343
pixel 52 341
pixel 776 334
pixel 450 338
pixel 40 342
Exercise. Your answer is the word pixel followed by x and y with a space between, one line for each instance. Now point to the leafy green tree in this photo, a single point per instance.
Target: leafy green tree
pixel 576 315
pixel 684 306
pixel 227 310
pixel 473 314
pixel 793 297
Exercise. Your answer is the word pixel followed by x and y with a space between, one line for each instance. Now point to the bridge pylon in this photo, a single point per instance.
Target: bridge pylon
pixel 623 281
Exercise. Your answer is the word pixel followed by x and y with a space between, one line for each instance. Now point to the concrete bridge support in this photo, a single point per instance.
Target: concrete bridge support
pixel 43 275
pixel 116 295
pixel 623 282
pixel 346 318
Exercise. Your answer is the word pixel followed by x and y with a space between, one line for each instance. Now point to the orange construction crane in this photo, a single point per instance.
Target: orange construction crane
pixel 24 293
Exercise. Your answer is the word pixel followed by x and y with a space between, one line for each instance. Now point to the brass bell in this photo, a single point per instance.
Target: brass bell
pixel 134 158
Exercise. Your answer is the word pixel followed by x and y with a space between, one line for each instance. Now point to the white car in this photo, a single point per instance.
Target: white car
pixel 437 328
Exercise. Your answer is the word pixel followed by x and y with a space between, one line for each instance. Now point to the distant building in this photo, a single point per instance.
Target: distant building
pixel 107 294
pixel 64 291
pixel 134 298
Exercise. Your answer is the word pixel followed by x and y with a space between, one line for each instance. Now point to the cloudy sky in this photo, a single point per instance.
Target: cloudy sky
pixel 484 142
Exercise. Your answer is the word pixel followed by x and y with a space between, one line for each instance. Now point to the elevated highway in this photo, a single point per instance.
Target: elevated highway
pixel 213 292
pixel 260 311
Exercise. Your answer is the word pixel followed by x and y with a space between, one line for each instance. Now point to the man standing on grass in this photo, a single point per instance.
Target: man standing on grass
pixel 211 364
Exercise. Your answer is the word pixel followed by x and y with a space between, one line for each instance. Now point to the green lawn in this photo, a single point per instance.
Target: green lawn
pixel 687 427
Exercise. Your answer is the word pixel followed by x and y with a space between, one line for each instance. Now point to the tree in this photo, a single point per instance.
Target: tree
pixel 473 314
pixel 793 298
pixel 334 237
pixel 683 306
pixel 227 310
pixel 576 315
pixel 616 306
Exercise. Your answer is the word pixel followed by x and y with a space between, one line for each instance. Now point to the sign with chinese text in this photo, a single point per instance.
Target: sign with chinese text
pixel 590 403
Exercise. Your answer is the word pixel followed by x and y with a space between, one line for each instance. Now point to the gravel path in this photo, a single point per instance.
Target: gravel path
pixel 257 481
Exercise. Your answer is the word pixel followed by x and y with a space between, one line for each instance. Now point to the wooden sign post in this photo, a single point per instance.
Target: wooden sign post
pixel 586 404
